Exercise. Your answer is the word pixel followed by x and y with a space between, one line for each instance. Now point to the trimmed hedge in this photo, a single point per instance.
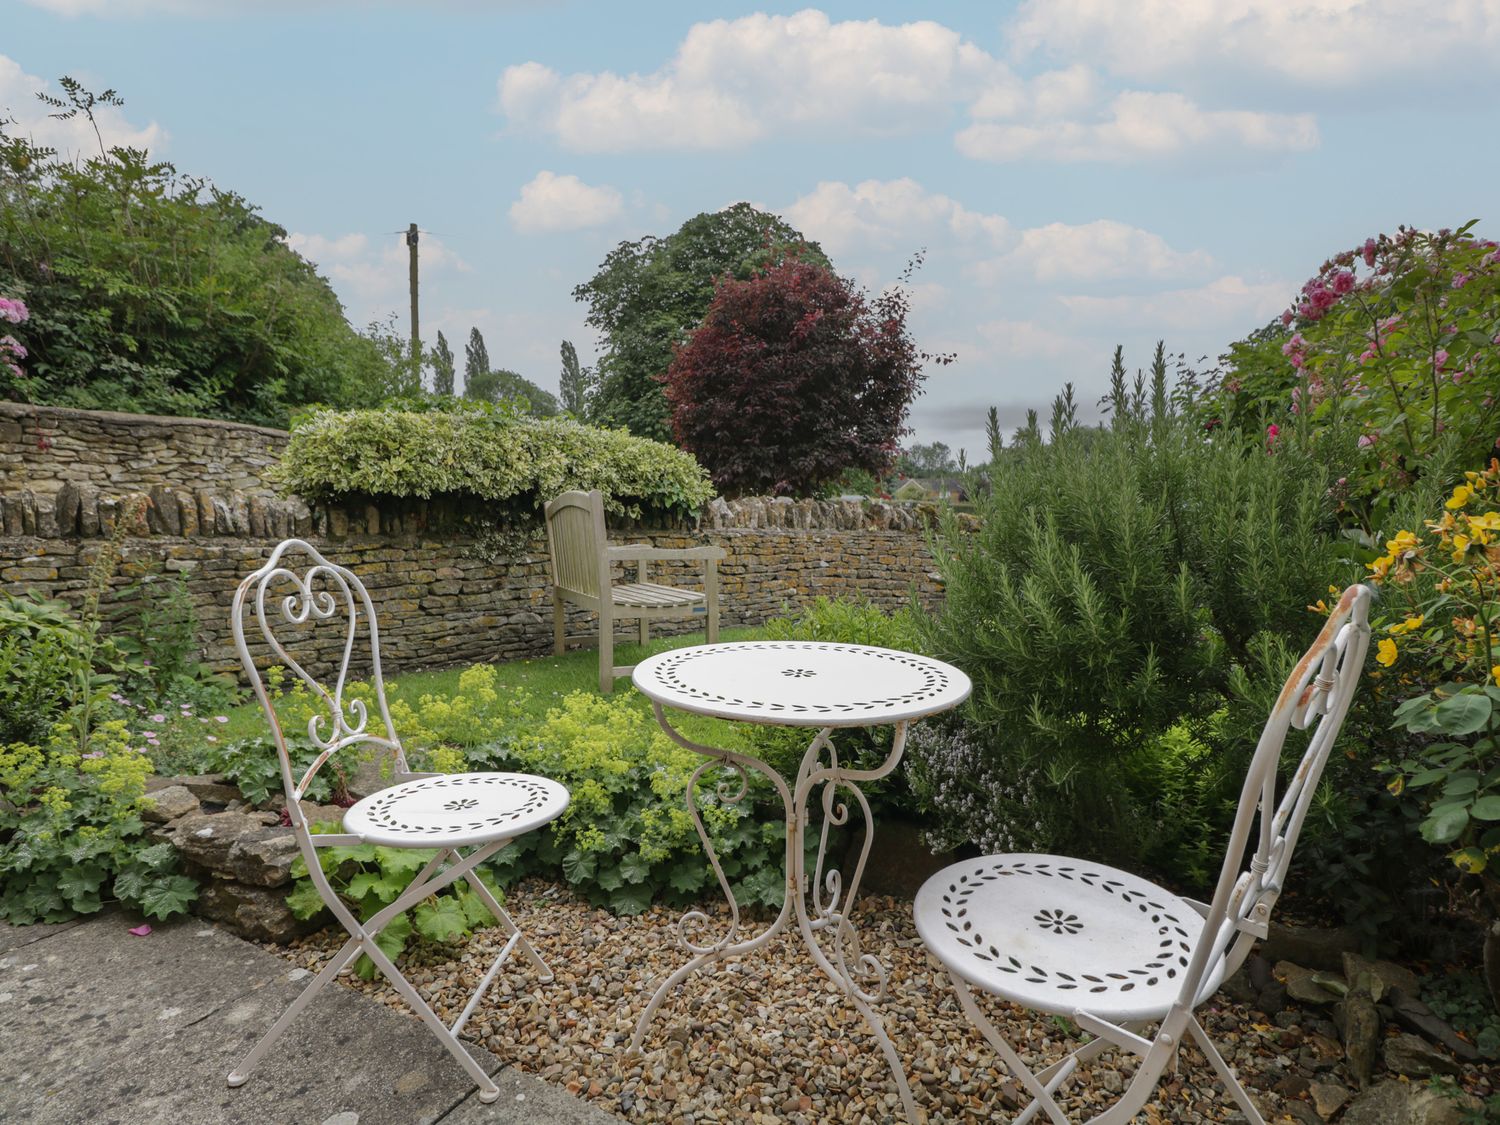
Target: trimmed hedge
pixel 490 453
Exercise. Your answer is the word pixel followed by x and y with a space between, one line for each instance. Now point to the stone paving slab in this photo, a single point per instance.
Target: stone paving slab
pixel 101 1026
pixel 13 937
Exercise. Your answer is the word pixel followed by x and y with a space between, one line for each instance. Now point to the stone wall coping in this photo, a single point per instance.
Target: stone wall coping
pixel 25 410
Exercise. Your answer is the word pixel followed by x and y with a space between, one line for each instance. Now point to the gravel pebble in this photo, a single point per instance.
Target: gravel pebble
pixel 769 1038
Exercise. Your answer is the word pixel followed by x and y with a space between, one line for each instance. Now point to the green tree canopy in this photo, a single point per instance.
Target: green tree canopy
pixel 575 383
pixel 152 291
pixel 503 386
pixel 441 359
pixel 476 360
pixel 649 296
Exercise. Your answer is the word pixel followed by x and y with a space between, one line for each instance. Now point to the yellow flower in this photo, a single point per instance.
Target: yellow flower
pixel 1404 541
pixel 1495 673
pixel 1490 521
pixel 1459 498
pixel 1410 625
pixel 1460 545
pixel 1385 653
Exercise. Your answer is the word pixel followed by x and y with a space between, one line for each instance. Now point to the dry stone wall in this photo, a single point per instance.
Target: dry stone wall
pixel 442 594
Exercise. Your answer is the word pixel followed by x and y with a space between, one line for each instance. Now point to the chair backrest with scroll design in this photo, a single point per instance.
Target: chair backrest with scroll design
pixel 1316 695
pixel 306 591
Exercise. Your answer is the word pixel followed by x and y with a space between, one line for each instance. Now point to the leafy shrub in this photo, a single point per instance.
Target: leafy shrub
pixel 44 655
pixel 649 295
pixel 1446 655
pixel 492 454
pixel 1385 363
pixel 72 833
pixel 370 878
pixel 842 621
pixel 795 335
pixel 157 292
pixel 627 837
pixel 1118 579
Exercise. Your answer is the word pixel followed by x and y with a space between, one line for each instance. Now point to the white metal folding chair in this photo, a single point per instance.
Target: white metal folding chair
pixel 463 818
pixel 1117 954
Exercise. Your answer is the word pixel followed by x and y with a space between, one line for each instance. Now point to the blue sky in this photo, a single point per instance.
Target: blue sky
pixel 1081 172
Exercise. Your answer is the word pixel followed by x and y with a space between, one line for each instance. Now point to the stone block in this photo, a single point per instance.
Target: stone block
pixel 169 803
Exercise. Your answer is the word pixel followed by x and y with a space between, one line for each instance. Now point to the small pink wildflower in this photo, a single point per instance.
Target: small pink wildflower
pixel 158 718
pixel 221 718
pixel 1440 359
pixel 13 310
pixel 1460 280
pixel 1369 439
pixel 1343 281
pixel 1368 251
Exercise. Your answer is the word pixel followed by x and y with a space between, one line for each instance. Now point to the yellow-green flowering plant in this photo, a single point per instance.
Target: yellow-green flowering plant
pixel 1446 582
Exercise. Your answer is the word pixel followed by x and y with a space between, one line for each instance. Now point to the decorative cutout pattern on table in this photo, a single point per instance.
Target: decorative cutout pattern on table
pixel 1058 921
pixel 1173 947
pixel 386 810
pixel 927 678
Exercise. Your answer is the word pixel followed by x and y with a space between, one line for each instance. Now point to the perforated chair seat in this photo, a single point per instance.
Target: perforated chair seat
pixel 1059 935
pixel 456 810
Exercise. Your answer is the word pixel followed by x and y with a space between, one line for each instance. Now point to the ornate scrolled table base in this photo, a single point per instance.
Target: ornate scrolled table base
pixel 821 904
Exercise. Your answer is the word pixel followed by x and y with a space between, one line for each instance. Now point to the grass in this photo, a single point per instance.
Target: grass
pixel 544 679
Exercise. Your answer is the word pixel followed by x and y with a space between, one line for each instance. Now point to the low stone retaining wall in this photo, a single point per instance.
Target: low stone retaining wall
pixel 443 593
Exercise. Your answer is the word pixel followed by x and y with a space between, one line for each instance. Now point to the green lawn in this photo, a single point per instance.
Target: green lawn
pixel 545 679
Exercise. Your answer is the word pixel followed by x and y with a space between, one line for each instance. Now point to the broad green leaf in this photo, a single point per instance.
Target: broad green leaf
pixel 1469 860
pixel 1426 777
pixel 1486 808
pixel 172 895
pixel 634 868
pixel 1445 824
pixel 631 899
pixel 441 919
pixel 1464 714
pixel 304 901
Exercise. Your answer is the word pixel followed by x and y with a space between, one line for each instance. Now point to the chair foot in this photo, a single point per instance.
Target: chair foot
pixel 545 978
pixel 488 1096
pixel 237 1079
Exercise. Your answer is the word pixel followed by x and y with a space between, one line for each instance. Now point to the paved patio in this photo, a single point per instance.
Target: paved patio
pixel 101 1026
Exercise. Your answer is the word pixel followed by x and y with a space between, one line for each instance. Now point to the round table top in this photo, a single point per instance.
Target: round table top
pixel 801 683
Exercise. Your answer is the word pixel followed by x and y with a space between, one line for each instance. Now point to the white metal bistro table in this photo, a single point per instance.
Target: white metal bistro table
pixel 802 684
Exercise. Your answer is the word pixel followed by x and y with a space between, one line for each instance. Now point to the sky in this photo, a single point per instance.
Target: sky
pixel 1080 173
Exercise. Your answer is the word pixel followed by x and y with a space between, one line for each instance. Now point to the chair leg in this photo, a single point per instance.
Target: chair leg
pixel 1225 1072
pixel 1023 1074
pixel 510 926
pixel 645 630
pixel 488 1091
pixel 559 627
pixel 241 1074
pixel 606 655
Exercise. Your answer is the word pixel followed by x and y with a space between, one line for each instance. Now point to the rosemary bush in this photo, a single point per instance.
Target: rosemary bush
pixel 1120 582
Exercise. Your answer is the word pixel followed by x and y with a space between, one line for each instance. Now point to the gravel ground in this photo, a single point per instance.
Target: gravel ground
pixel 770 1038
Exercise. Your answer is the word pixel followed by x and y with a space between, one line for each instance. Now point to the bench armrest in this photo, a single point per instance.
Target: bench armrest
pixel 665 553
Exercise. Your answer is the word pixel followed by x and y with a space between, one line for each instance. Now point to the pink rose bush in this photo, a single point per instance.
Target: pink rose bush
pixel 13 310
pixel 1387 357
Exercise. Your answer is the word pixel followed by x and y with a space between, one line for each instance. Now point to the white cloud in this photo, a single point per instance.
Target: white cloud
pixel 1229 302
pixel 732 82
pixel 1139 125
pixel 18 99
pixel 371 276
pixel 1309 44
pixel 1103 250
pixel 887 214
pixel 553 203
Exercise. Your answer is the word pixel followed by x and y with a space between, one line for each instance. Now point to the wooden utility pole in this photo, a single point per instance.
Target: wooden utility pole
pixel 416 335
